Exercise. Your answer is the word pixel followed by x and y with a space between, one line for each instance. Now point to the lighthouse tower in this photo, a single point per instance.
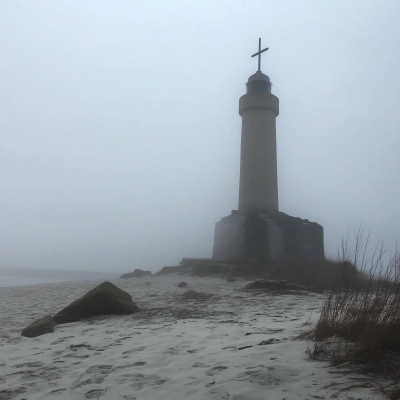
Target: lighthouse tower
pixel 258 187
pixel 257 230
pixel 257 237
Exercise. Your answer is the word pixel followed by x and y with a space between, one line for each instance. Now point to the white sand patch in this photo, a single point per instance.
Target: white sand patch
pixel 177 347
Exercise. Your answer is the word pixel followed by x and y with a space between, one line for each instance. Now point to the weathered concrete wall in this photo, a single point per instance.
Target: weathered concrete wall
pixel 276 239
pixel 258 185
pixel 229 237
pixel 265 235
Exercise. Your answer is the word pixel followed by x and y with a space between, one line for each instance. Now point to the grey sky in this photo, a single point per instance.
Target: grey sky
pixel 120 132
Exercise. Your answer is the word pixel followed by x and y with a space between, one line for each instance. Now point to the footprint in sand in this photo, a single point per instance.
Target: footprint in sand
pixel 99 369
pixel 62 339
pixel 94 394
pixel 134 350
pixel 212 371
pixel 122 367
pixel 230 348
pixel 73 355
pixel 260 376
pixel 30 365
pixel 76 347
pixel 46 375
pixel 199 365
pixel 138 381
pixel 99 373
pixel 10 394
pixel 195 350
pixel 84 383
pixel 57 391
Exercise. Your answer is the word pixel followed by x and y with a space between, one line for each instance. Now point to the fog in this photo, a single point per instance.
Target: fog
pixel 120 132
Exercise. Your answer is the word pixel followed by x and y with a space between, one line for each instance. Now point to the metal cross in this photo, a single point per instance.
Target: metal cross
pixel 259 54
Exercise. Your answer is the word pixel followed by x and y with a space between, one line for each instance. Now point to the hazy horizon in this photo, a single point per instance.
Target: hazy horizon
pixel 120 132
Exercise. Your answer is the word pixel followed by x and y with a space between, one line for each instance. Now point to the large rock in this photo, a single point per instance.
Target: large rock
pixel 39 327
pixel 137 273
pixel 104 299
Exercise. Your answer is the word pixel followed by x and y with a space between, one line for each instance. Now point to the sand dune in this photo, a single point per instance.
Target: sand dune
pixel 180 346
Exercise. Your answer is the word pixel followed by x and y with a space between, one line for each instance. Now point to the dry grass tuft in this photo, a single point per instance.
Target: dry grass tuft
pixel 360 317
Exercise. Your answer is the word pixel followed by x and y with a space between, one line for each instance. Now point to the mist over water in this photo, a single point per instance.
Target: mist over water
pixel 22 281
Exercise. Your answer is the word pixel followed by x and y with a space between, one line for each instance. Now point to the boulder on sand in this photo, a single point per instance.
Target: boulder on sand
pixel 104 299
pixel 137 273
pixel 39 327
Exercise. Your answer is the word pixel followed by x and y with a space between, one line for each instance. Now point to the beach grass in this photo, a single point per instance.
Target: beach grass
pixel 359 323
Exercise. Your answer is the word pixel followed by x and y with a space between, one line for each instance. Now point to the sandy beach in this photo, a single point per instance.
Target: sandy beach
pixel 181 345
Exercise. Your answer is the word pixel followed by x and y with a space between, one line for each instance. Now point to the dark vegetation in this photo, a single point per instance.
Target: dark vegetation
pixel 317 273
pixel 359 326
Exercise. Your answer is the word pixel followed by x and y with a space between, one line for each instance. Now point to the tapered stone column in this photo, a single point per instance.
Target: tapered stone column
pixel 258 108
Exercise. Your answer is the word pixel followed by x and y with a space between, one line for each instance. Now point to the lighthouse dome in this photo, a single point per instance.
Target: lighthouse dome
pixel 258 82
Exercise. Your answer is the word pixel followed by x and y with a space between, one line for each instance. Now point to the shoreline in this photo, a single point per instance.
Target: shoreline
pixel 232 344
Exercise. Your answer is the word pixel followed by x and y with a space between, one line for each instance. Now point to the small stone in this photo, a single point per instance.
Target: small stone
pixel 231 279
pixel 182 284
pixel 39 327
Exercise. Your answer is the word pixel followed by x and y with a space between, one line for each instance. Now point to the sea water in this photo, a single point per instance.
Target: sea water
pixel 23 281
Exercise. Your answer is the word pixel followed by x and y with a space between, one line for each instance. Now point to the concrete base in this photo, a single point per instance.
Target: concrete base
pixel 264 235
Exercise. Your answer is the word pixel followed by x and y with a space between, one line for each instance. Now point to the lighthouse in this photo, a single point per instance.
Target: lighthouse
pixel 257 230
pixel 258 187
pixel 257 237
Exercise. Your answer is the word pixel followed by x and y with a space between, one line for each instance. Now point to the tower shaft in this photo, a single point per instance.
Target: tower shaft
pixel 258 162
